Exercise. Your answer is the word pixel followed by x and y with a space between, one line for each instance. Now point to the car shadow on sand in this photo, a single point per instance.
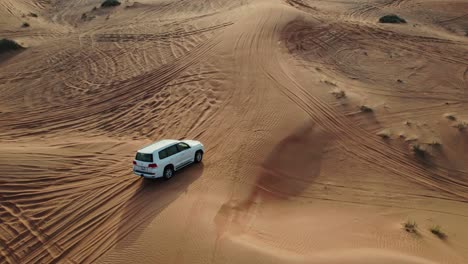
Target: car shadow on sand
pixel 286 172
pixel 149 200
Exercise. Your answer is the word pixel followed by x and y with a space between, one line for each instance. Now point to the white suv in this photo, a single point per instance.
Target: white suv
pixel 163 158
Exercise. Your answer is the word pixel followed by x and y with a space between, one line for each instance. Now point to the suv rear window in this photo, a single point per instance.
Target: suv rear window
pixel 144 157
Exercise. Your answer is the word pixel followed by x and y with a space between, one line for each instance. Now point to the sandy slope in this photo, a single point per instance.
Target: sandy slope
pixel 292 174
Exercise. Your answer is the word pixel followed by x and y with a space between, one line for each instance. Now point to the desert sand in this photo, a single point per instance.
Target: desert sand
pixel 324 130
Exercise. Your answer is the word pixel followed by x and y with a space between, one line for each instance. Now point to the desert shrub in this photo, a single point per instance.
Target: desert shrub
pixel 410 226
pixel 394 19
pixel 9 45
pixel 32 15
pixel 462 125
pixel 418 150
pixel 110 3
pixel 339 94
pixel 450 117
pixel 385 134
pixel 435 143
pixel 365 108
pixel 25 24
pixel 329 83
pixel 436 230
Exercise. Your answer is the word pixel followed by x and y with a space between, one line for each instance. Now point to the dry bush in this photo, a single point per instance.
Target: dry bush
pixel 365 108
pixel 419 151
pixel 462 125
pixel 450 116
pixel 339 94
pixel 385 134
pixel 410 226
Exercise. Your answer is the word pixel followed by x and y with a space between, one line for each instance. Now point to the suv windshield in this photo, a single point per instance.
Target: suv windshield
pixel 144 157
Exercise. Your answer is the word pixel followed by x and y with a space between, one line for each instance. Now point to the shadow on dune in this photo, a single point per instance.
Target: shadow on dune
pixel 290 168
pixel 6 56
pixel 150 199
pixel 293 164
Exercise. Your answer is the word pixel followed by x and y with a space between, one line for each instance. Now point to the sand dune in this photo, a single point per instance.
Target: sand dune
pixel 325 130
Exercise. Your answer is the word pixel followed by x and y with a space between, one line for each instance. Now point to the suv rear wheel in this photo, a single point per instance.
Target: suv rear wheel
pixel 168 172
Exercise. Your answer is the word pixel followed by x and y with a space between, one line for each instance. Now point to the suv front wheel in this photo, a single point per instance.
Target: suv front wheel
pixel 198 157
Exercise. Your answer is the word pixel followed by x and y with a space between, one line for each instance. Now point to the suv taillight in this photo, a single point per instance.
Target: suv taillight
pixel 134 162
pixel 152 165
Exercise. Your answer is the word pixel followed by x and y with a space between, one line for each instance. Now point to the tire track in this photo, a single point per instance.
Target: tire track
pixel 129 91
pixel 51 249
pixel 179 33
pixel 362 11
pixel 365 145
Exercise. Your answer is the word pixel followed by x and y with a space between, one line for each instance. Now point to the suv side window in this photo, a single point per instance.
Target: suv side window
pixel 171 150
pixel 182 146
pixel 162 154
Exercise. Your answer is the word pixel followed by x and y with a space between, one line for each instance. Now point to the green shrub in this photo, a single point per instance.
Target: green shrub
pixel 436 230
pixel 110 3
pixel 9 45
pixel 394 19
